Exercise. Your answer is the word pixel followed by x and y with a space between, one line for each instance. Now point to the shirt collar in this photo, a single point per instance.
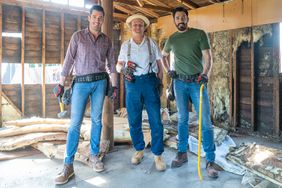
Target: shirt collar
pixel 143 41
pixel 87 31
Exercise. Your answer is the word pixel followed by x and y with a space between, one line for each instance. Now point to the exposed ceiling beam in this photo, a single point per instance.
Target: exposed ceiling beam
pixel 120 16
pixel 140 3
pixel 147 12
pixel 147 6
pixel 157 2
pixel 189 4
pixel 122 9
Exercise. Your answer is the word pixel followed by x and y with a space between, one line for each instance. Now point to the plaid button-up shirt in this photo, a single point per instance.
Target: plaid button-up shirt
pixel 89 55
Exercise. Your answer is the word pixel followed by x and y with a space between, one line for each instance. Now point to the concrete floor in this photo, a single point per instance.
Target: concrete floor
pixel 39 171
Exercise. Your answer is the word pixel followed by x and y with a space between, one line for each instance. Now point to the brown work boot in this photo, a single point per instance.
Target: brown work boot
pixel 137 157
pixel 211 169
pixel 179 160
pixel 64 176
pixel 160 164
pixel 97 164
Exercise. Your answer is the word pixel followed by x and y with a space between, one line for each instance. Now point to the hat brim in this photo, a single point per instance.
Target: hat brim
pixel 138 16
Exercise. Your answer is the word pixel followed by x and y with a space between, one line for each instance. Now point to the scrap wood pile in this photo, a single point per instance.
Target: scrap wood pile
pixel 49 136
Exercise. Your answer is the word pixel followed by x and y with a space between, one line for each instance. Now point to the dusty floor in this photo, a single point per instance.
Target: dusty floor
pixel 39 171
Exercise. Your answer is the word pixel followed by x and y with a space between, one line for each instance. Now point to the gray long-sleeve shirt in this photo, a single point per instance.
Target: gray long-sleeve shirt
pixel 89 55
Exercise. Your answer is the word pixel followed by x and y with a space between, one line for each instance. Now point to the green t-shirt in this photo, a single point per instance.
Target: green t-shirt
pixel 187 48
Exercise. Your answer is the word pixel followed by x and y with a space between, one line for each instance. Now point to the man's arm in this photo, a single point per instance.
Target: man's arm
pixel 208 61
pixel 69 59
pixel 160 68
pixel 111 65
pixel 165 61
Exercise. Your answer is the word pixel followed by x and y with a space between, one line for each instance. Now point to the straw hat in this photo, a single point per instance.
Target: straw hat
pixel 136 16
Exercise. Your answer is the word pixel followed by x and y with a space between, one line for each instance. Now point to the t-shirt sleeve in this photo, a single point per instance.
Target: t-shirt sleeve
pixel 167 46
pixel 204 41
pixel 123 52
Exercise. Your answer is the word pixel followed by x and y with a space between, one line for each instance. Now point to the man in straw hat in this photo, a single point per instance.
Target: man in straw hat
pixel 140 62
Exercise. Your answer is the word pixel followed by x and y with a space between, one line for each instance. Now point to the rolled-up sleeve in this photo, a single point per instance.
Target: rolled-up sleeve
pixel 70 56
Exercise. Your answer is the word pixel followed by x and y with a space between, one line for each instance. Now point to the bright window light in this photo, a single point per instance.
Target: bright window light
pixel 76 3
pixel 60 1
pixel 14 35
pixel 88 6
pixel 280 47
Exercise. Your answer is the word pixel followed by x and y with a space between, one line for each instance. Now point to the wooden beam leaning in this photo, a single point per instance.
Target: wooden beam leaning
pixel 43 63
pixel 1 66
pixel 146 6
pixel 108 112
pixel 22 58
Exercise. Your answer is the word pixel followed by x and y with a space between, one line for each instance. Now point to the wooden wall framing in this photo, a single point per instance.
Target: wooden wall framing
pixel 42 25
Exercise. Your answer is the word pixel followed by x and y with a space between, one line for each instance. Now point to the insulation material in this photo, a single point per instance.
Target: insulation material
pixel 218 86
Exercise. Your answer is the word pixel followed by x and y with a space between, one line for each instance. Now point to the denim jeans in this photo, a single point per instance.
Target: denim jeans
pixel 144 92
pixel 184 91
pixel 81 93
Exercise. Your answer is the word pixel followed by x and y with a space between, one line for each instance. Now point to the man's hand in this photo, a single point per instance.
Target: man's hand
pixel 203 79
pixel 129 70
pixel 113 92
pixel 172 74
pixel 58 90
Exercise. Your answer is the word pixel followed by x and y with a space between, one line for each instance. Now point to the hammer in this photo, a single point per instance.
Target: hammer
pixel 62 113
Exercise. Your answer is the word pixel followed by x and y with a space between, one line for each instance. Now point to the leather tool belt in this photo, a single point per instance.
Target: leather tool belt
pixel 91 77
pixel 187 78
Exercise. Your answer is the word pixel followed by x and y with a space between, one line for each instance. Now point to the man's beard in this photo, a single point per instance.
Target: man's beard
pixel 181 26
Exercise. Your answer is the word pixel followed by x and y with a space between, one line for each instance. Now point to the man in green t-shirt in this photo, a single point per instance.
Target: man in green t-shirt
pixel 192 63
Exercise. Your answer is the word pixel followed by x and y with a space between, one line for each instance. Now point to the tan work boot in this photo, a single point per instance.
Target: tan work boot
pixel 160 164
pixel 97 164
pixel 64 176
pixel 137 157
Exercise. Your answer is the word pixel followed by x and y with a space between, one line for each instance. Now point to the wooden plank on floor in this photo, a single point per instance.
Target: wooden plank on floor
pixel 18 153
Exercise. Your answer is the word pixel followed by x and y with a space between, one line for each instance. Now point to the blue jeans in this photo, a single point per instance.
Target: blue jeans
pixel 81 93
pixel 184 91
pixel 144 91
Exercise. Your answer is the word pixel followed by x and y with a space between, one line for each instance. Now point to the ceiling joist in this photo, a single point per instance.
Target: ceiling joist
pixel 147 6
pixel 147 12
pixel 122 9
pixel 188 4
pixel 157 3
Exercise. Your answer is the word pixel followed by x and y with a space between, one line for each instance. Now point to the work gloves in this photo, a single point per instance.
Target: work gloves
pixel 58 90
pixel 172 74
pixel 203 79
pixel 113 92
pixel 129 70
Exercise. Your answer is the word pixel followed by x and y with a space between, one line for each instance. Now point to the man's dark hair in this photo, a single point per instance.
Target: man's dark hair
pixel 179 9
pixel 97 8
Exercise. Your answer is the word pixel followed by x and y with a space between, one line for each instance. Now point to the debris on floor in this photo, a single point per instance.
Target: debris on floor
pixel 263 161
